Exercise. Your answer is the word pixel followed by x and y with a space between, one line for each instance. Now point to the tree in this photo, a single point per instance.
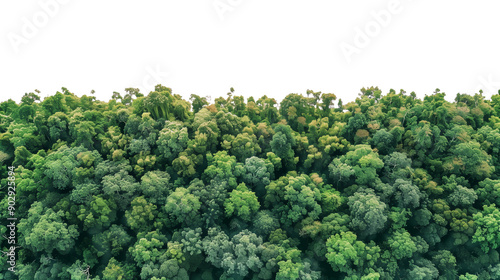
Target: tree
pixel 257 174
pixel 348 255
pixel 228 123
pixel 470 160
pixel 191 241
pixel 212 198
pixel 121 187
pixel 112 141
pixel 172 140
pixel 148 248
pixel 462 197
pixel 445 262
pixel 182 207
pixel 396 166
pixel 265 222
pixel 156 186
pixel 406 194
pixel 245 146
pixel 51 269
pixel 402 245
pixel 487 228
pixel 142 216
pixel 160 103
pixel 60 166
pixel 242 202
pixel 423 269
pixel 112 241
pixel 22 156
pixel 98 216
pixel 282 144
pixel 237 256
pixel 198 102
pixel 367 212
pixel 489 192
pixel 24 135
pixel 116 270
pixel 383 141
pixel 58 127
pixel 361 162
pixel 45 231
pixel 327 99
pixel 294 198
pixel 223 167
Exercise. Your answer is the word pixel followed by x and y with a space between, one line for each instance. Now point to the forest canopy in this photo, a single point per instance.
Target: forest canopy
pixel 153 186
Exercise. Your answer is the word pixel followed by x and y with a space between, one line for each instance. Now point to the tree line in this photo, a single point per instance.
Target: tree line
pixel 387 186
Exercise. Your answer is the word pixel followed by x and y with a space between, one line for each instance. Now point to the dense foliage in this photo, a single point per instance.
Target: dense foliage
pixel 157 187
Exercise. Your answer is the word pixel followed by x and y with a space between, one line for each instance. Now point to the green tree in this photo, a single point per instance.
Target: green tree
pixel 45 231
pixel 142 216
pixel 121 187
pixel 470 160
pixel 182 207
pixel 198 102
pixel 116 270
pixel 111 242
pixel 402 245
pixel 293 198
pixel 245 146
pixel 282 144
pixel 242 202
pixel 172 140
pixel 347 254
pixel 368 213
pixel 98 215
pixel 487 228
pixel 362 162
pixel 156 186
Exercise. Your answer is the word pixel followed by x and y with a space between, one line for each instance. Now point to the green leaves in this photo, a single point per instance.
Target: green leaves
pixel 245 146
pixel 242 202
pixel 45 231
pixel 148 248
pixel 182 207
pixel 236 256
pixel 469 159
pixel 487 228
pixel 142 216
pixel 121 187
pixel 172 140
pixel 60 166
pixel 146 188
pixel 282 144
pixel 402 245
pixel 367 213
pixel 294 198
pixel 362 162
pixel 99 215
pixel 346 254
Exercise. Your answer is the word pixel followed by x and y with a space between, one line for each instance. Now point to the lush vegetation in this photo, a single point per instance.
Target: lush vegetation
pixel 157 187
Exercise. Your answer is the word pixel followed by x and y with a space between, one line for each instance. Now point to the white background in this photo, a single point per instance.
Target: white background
pixel 258 47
